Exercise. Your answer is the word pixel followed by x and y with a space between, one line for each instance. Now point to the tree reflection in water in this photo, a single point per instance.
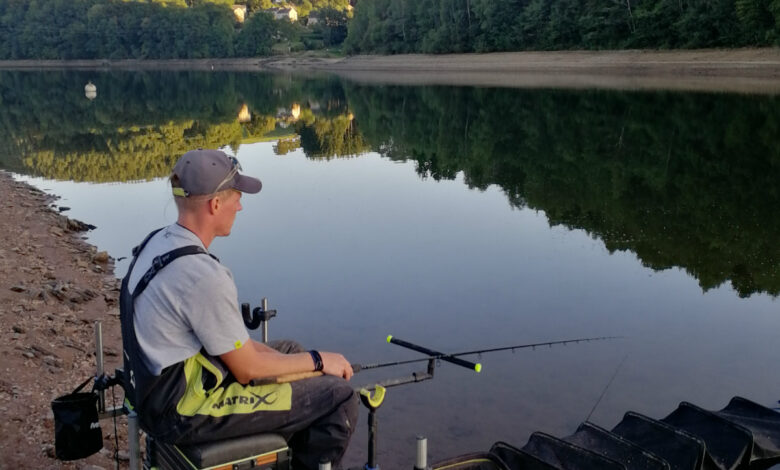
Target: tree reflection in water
pixel 680 179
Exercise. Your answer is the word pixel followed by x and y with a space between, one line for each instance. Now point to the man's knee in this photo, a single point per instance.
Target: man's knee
pixel 345 403
pixel 350 404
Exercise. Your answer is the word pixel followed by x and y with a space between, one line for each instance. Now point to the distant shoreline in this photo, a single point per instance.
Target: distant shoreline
pixel 736 70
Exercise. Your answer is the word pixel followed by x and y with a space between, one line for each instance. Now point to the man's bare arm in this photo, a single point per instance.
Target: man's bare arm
pixel 256 361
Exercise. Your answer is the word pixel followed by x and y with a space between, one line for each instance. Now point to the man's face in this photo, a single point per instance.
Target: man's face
pixel 230 204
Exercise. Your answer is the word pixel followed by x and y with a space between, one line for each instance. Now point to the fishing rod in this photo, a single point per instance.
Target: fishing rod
pixel 454 358
pixel 432 357
pixel 373 396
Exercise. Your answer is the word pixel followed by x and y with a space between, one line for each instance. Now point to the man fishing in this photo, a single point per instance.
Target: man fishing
pixel 192 366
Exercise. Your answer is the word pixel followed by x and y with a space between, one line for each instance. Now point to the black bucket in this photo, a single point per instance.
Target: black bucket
pixel 77 432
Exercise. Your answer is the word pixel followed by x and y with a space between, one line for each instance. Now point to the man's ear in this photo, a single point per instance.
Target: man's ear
pixel 214 204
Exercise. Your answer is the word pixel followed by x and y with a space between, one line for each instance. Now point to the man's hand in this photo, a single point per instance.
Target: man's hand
pixel 336 364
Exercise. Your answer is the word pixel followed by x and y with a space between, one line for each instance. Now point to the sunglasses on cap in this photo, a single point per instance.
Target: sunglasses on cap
pixel 231 174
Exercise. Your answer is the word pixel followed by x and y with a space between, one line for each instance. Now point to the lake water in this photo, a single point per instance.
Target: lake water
pixel 456 218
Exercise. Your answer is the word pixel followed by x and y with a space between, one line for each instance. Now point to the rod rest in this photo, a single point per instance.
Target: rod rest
pixel 254 319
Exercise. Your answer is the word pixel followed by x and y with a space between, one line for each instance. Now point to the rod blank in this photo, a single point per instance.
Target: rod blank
pixel 454 356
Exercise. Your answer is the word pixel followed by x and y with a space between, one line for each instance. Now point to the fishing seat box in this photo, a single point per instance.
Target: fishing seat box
pixel 259 452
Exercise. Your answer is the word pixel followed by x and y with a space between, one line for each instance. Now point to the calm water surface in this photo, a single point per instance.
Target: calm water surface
pixel 457 218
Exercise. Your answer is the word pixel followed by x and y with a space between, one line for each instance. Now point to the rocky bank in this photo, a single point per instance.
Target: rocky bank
pixel 53 288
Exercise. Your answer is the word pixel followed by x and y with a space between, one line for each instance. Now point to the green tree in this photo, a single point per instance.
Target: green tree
pixel 256 36
pixel 759 19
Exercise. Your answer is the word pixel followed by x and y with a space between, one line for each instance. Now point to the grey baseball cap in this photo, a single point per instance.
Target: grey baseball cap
pixel 207 171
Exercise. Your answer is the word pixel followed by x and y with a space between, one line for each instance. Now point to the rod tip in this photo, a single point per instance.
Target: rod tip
pixel 478 367
pixel 389 337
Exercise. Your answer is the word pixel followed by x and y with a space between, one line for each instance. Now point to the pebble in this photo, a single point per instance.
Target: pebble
pixel 48 449
pixel 43 350
pixel 52 361
pixel 18 329
pixel 19 288
pixel 101 257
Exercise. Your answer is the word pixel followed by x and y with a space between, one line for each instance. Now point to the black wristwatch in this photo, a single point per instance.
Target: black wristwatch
pixel 315 356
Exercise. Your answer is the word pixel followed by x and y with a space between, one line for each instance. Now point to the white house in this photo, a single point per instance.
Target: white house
pixel 285 14
pixel 240 12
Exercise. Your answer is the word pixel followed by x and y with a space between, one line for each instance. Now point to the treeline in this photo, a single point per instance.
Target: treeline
pixel 684 180
pixel 158 29
pixel 443 26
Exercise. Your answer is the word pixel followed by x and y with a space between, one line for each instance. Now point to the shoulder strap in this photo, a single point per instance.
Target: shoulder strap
pixel 159 262
pixel 137 250
pixel 140 247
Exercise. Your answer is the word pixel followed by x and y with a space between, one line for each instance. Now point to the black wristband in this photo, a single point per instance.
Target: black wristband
pixel 317 359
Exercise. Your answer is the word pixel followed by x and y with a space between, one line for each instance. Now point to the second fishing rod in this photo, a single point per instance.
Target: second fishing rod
pixel 455 358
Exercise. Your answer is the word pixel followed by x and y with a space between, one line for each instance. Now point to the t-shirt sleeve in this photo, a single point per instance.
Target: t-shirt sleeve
pixel 215 317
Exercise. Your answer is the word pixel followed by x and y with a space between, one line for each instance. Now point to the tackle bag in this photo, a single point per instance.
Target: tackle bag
pixel 77 432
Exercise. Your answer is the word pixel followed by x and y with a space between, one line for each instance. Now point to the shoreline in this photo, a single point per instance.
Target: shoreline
pixel 731 70
pixel 53 287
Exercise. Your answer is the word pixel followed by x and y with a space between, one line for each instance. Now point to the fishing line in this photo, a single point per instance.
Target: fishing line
pixel 604 392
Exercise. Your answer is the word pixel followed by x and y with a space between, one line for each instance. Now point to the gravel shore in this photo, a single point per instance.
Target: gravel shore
pixel 53 287
pixel 733 70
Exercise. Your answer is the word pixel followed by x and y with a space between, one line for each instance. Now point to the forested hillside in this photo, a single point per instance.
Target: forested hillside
pixel 442 26
pixel 154 29
pixel 187 29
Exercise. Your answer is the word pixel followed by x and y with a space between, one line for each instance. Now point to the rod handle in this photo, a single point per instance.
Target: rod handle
pixel 283 379
pixel 475 366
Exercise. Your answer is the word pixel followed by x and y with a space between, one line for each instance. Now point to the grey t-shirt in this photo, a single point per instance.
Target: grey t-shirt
pixel 190 304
